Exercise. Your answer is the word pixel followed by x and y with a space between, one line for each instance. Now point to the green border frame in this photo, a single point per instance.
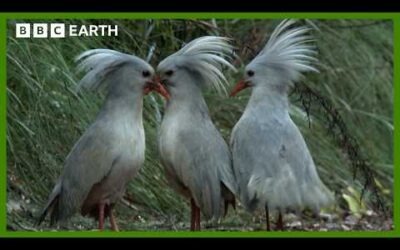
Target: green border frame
pixel 193 15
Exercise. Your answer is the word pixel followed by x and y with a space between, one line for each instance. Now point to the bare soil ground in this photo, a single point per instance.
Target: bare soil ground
pixel 22 214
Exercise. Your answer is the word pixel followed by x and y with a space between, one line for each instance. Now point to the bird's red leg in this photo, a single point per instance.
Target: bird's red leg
pixel 193 211
pixel 101 216
pixel 279 224
pixel 198 218
pixel 267 218
pixel 113 222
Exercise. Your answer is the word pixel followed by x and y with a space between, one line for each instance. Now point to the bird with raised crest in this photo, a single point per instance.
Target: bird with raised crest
pixel 195 156
pixel 111 151
pixel 272 164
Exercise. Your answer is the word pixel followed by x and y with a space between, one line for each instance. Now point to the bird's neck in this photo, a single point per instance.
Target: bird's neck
pixel 188 99
pixel 124 106
pixel 270 98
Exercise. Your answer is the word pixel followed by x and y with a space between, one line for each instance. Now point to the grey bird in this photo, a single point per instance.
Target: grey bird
pixel 111 151
pixel 271 161
pixel 195 156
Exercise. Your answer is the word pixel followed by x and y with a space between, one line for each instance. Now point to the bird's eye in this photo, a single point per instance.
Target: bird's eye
pixel 146 73
pixel 169 73
pixel 250 73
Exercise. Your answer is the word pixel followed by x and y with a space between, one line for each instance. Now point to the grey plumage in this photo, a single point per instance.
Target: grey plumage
pixel 205 57
pixel 195 156
pixel 111 151
pixel 272 163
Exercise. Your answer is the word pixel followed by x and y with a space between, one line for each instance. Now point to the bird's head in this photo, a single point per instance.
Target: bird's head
pixel 143 79
pixel 198 64
pixel 119 73
pixel 282 61
pixel 171 76
pixel 152 83
pixel 250 79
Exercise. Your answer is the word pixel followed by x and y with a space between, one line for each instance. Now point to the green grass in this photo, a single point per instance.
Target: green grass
pixel 45 116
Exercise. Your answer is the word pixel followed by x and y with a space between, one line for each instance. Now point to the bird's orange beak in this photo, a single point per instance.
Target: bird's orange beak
pixel 156 86
pixel 242 84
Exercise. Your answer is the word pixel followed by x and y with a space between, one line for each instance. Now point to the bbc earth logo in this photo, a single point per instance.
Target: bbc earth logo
pixel 61 30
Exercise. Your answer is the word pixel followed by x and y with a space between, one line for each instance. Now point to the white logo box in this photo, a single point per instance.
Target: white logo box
pixel 59 30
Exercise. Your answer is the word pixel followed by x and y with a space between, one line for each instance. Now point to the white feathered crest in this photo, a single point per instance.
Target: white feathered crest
pixel 205 55
pixel 288 52
pixel 98 63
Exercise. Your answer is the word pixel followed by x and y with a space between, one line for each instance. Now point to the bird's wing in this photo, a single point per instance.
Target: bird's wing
pixel 89 162
pixel 222 158
pixel 275 167
pixel 193 162
pixel 242 143
pixel 293 153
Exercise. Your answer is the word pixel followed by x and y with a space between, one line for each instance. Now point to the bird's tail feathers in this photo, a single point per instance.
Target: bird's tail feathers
pixel 287 193
pixel 51 207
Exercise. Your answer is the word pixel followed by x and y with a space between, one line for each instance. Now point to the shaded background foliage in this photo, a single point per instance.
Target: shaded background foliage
pixel 46 116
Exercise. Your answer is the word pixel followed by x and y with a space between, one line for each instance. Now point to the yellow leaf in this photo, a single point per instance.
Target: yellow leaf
pixel 353 205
